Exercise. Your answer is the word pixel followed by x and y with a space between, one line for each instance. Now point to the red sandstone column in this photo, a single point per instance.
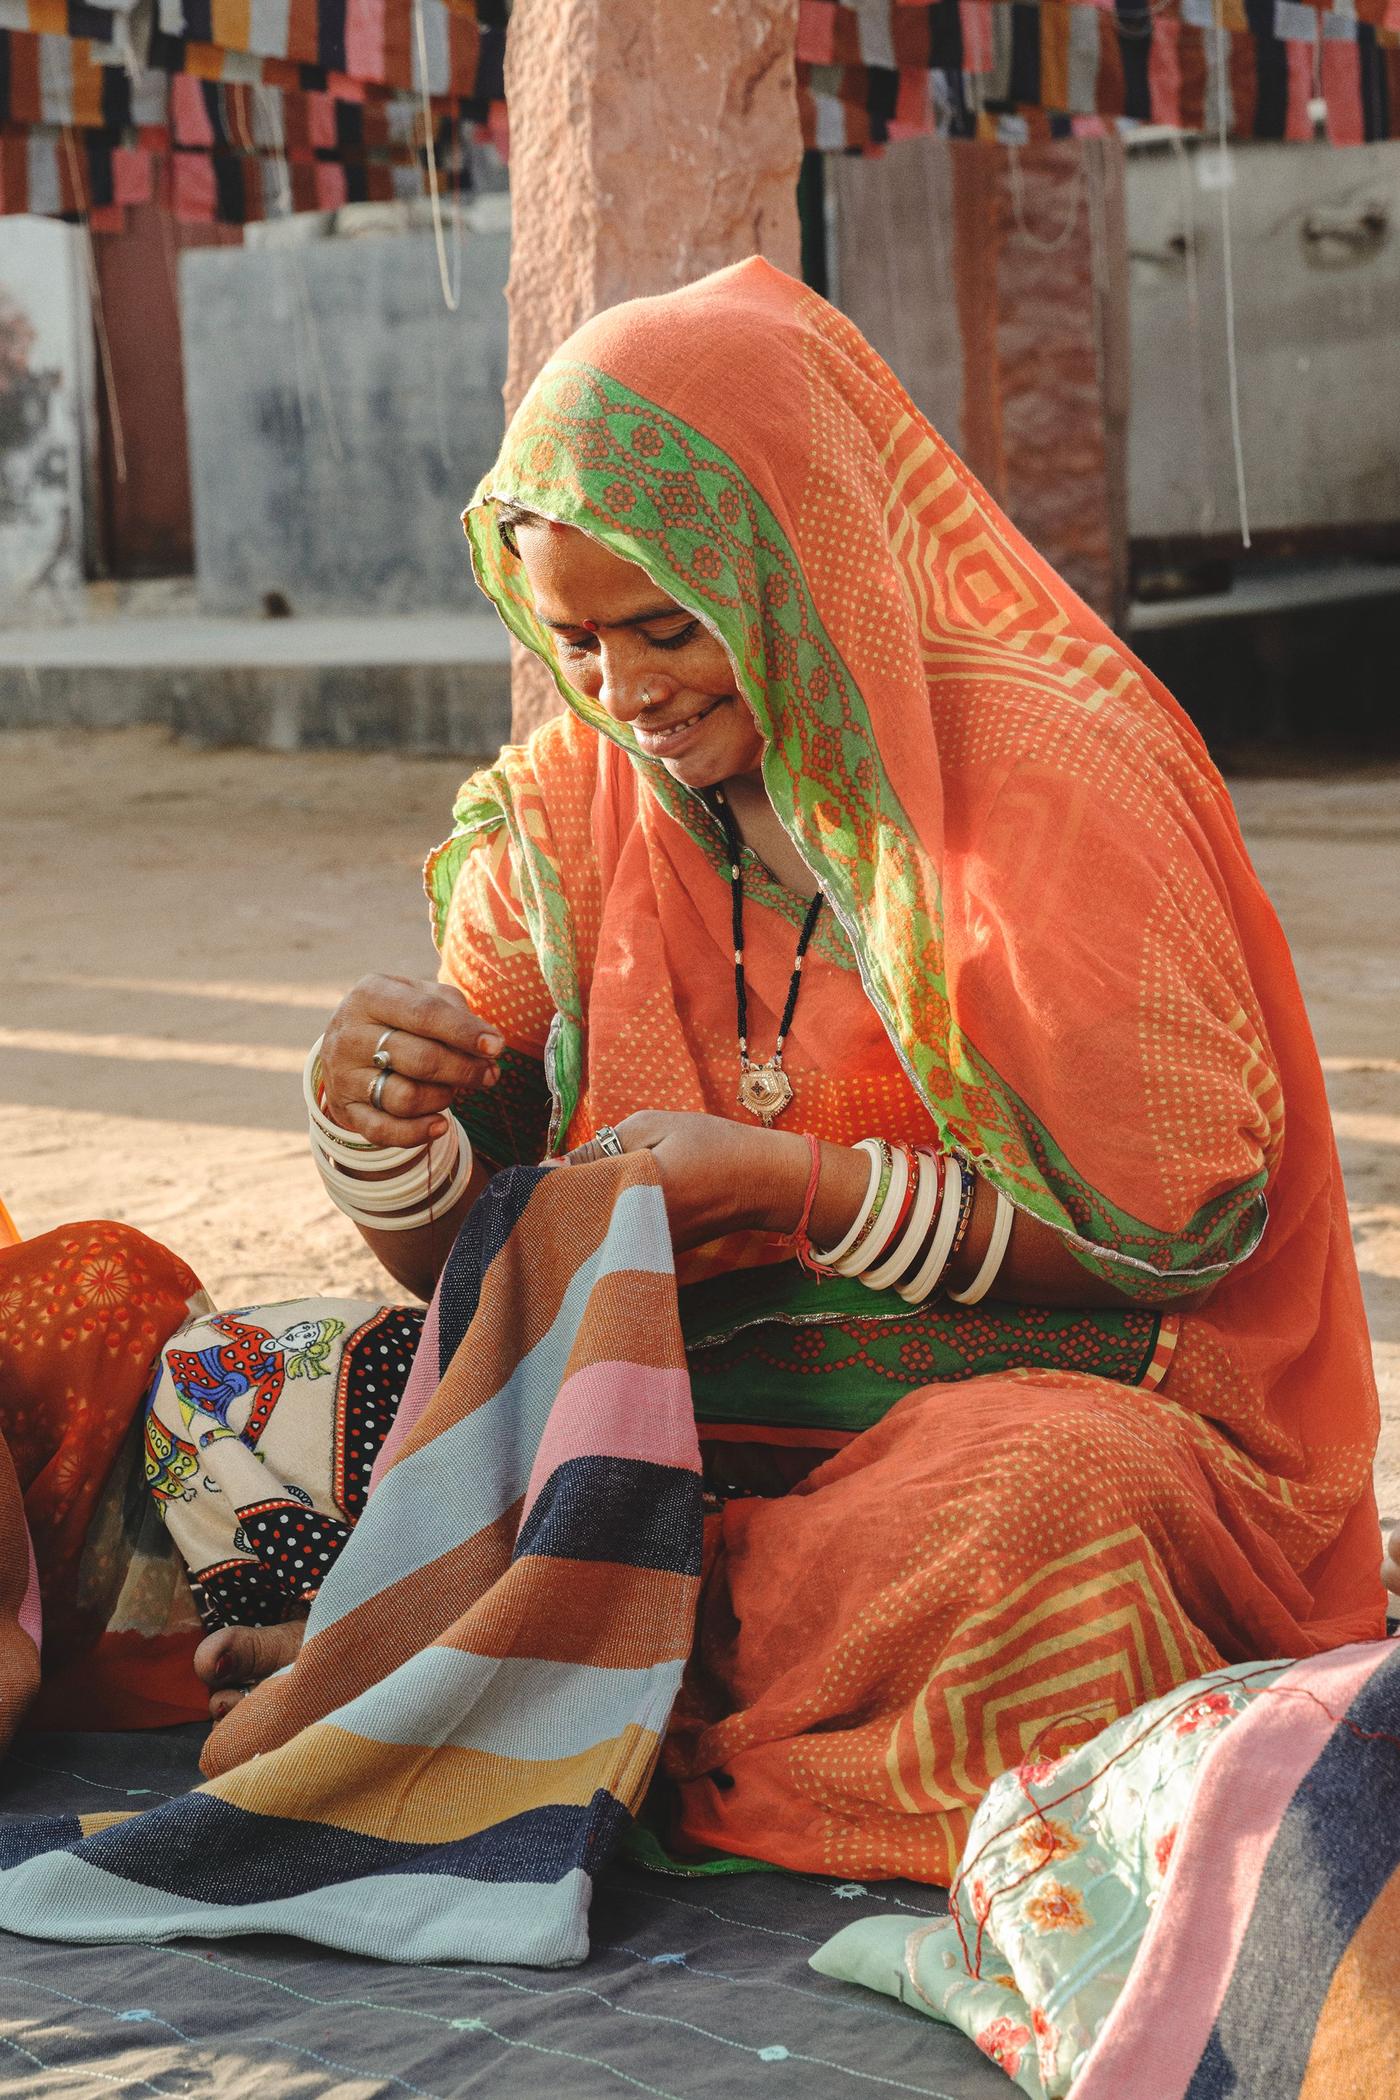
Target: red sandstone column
pixel 1040 263
pixel 650 142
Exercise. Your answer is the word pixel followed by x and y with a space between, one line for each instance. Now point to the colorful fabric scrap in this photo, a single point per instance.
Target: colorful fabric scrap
pixel 490 1664
pixel 260 1436
pixel 1123 1917
pixel 874 71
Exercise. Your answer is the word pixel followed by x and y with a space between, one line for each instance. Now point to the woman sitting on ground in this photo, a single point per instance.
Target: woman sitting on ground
pixel 869 883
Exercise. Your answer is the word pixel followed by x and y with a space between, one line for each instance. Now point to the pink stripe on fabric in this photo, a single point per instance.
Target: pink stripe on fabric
pixel 618 1410
pixel 1297 122
pixel 422 1384
pixel 364 39
pixel 816 32
pixel 187 108
pixel 1164 72
pixel 1341 86
pixel 131 175
pixel 975 22
pixel 320 120
pixel 31 1618
pixel 1152 2040
pixel 196 193
pixel 332 188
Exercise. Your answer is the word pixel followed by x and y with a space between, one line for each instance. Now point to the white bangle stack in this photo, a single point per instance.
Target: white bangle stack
pixel 874 1152
pixel 387 1188
pixel 993 1258
pixel 927 1277
pixel 906 1247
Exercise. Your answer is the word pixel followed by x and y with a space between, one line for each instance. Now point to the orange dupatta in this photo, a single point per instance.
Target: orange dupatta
pixel 1071 967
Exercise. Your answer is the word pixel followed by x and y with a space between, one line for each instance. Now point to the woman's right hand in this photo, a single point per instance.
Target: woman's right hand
pixel 439 1050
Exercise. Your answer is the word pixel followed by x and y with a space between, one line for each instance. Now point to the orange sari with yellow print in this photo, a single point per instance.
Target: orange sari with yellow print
pixel 1047 948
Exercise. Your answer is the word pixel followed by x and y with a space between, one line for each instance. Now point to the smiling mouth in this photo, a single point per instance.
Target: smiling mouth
pixel 662 735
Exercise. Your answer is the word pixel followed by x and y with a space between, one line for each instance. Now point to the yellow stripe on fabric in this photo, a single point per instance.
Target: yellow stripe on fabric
pixel 960 1701
pixel 1001 1649
pixel 1353 2050
pixel 427 1796
pixel 995 1614
pixel 230 22
pixel 105 1818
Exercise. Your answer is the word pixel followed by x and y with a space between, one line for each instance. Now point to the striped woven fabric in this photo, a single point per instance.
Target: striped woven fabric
pixel 489 1668
pixel 1271 1968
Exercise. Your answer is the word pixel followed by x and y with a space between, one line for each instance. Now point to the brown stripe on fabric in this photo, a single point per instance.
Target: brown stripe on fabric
pixel 105 1818
pixel 429 1795
pixel 582 1611
pixel 364 1646
pixel 1353 2050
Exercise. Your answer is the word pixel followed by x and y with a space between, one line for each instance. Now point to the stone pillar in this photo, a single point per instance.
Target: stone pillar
pixel 651 141
pixel 1041 255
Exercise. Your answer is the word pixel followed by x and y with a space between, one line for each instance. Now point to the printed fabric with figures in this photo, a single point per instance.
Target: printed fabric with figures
pixel 261 1431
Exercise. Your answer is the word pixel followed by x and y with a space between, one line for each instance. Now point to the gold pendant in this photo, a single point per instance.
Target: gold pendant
pixel 765 1091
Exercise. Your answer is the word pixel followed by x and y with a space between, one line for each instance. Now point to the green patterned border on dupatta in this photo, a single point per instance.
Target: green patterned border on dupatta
pixel 587 451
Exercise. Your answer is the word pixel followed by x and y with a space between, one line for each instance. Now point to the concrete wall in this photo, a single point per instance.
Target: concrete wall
pixel 46 415
pixel 339 419
pixel 1316 243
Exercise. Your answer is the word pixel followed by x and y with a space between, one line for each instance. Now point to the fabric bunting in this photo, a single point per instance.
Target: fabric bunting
pixel 341 81
pixel 240 113
pixel 1016 70
pixel 57 171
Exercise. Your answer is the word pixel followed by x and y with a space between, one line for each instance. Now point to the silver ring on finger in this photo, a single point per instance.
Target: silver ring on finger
pixel 381 1059
pixel 608 1142
pixel 376 1092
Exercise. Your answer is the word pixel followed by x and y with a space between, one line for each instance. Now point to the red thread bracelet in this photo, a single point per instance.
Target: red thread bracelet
pixel 798 1236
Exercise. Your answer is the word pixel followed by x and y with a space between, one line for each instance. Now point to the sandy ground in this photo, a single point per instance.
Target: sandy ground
pixel 176 924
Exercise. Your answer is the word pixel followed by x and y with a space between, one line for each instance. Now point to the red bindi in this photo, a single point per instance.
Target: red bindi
pixel 591 625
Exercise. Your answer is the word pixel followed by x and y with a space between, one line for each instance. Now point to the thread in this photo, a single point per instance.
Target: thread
pixel 1205 516
pixel 306 336
pixel 99 311
pixel 451 293
pixel 1222 48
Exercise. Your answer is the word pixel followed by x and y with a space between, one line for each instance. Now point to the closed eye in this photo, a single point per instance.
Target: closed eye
pixel 673 641
pixel 587 644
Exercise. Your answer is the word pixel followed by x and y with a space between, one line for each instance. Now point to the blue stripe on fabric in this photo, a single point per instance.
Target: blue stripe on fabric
pixel 1336 1848
pixel 22 1836
pixel 628 1510
pixel 204 1849
pixel 404 1917
pixel 516 1706
pixel 453 1487
pixel 485 1229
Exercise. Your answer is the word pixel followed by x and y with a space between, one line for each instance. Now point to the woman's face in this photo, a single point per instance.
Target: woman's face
pixel 624 644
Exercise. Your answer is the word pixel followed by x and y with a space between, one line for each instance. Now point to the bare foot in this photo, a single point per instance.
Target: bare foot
pixel 1390 1566
pixel 238 1657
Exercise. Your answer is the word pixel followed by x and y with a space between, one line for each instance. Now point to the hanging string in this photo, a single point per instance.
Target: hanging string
pixel 305 332
pixel 99 311
pixel 1227 175
pixel 451 292
pixel 1205 517
pixel 1018 202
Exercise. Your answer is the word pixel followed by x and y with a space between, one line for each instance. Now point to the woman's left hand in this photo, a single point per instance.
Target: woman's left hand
pixel 716 1176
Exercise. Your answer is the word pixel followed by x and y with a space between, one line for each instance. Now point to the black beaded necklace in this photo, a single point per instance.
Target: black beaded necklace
pixel 764 1090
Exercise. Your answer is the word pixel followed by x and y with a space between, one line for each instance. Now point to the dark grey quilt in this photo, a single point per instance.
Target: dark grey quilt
pixel 696 1988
